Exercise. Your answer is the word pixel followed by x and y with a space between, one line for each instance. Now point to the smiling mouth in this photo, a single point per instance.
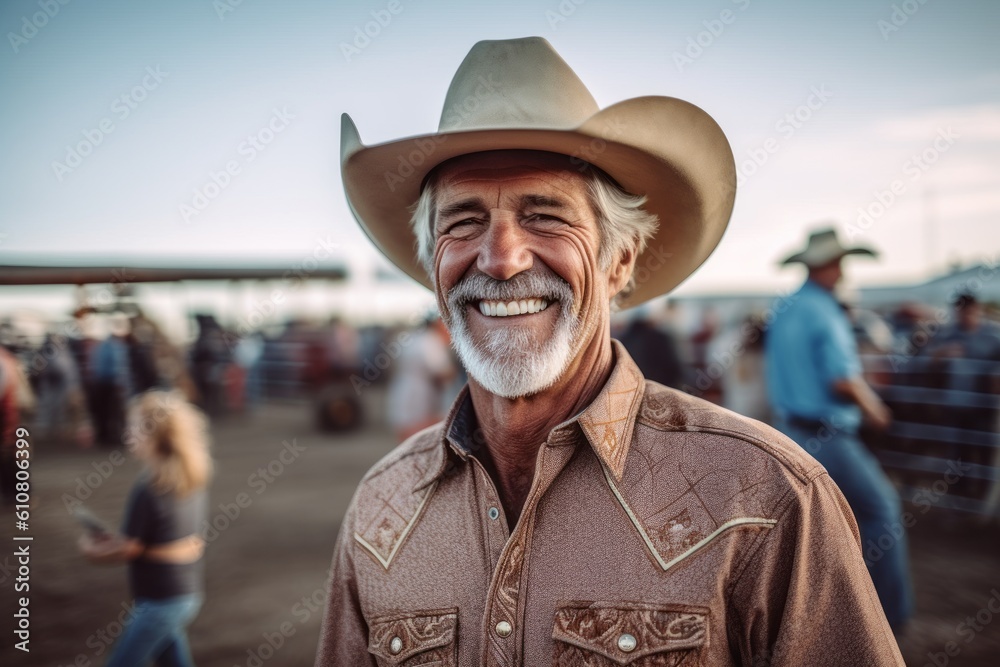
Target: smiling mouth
pixel 491 308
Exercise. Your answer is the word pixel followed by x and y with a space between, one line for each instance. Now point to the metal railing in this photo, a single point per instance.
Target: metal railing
pixel 943 447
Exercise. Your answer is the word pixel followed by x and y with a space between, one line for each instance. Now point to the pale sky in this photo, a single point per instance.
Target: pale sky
pixel 198 80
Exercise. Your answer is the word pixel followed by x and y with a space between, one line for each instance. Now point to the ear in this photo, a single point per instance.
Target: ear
pixel 621 270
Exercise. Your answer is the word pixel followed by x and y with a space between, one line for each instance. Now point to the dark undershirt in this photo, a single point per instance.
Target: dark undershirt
pixel 156 518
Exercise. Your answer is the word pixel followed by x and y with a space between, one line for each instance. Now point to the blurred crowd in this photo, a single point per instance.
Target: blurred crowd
pixel 933 367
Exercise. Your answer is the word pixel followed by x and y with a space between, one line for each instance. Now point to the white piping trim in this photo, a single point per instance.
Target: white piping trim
pixel 666 565
pixel 402 538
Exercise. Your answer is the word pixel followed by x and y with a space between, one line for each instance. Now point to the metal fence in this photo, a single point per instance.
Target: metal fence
pixel 943 447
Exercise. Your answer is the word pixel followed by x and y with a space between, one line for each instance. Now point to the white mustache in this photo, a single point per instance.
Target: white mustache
pixel 479 287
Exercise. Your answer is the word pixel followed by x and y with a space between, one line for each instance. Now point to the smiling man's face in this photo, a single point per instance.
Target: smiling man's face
pixel 516 267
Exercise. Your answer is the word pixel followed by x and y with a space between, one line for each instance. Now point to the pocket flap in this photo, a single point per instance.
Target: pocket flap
pixel 416 632
pixel 598 627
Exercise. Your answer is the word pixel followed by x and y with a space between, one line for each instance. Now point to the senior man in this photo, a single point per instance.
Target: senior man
pixel 568 512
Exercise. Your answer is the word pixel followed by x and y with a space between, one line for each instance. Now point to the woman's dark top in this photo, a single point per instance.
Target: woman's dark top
pixel 156 518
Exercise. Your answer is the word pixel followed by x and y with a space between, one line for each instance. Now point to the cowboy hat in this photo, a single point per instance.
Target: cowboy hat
pixel 824 247
pixel 520 94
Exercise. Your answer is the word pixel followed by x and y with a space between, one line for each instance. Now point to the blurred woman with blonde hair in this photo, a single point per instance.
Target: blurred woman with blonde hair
pixel 160 538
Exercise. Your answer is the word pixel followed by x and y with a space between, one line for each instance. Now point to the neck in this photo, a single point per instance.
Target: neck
pixel 515 429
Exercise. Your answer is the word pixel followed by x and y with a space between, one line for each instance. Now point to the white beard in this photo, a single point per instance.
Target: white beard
pixel 509 362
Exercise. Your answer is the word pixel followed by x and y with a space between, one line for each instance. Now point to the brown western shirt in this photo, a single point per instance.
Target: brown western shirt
pixel 659 530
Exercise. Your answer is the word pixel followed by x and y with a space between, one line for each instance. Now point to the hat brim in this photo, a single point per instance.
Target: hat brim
pixel 804 258
pixel 666 149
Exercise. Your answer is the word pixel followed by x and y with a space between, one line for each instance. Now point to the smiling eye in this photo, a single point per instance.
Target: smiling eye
pixel 544 218
pixel 461 226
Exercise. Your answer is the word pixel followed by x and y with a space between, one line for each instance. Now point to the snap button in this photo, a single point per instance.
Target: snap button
pixel 504 629
pixel 396 645
pixel 493 513
pixel 627 643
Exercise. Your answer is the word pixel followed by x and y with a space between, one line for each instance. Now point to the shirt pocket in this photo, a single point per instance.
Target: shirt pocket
pixel 607 634
pixel 414 638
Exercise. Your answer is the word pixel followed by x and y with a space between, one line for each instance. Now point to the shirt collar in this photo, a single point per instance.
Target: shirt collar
pixel 608 423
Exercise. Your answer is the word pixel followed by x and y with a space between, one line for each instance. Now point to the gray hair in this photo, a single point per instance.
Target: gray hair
pixel 623 222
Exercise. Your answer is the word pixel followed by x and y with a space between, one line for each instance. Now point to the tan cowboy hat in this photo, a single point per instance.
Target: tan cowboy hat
pixel 823 247
pixel 520 94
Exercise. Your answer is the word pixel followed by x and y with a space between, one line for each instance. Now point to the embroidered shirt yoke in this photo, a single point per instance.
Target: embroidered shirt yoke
pixel 659 530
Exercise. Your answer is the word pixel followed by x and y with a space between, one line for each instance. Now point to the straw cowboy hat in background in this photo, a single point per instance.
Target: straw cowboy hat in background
pixel 520 94
pixel 824 247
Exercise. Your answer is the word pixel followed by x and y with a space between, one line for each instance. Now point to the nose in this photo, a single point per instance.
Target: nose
pixel 504 251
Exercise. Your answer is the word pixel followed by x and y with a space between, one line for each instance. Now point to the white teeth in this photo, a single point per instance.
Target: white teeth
pixel 504 309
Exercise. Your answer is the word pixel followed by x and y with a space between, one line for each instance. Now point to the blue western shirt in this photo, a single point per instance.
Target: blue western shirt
pixel 809 346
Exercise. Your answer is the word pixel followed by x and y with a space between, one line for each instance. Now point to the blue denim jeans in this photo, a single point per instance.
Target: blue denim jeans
pixel 877 509
pixel 157 632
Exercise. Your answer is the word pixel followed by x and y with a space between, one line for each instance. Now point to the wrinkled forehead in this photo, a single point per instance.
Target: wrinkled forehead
pixel 509 165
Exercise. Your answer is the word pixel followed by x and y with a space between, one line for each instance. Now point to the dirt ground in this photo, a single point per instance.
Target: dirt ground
pixel 266 566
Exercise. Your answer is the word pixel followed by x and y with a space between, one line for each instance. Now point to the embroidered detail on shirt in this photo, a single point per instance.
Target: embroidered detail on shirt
pixel 627 633
pixel 394 513
pixel 609 423
pixel 430 634
pixel 677 535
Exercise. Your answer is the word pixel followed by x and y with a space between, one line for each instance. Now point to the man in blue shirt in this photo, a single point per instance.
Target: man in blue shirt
pixel 820 397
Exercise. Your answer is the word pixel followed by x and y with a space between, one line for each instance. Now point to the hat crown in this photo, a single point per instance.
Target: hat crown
pixel 825 238
pixel 515 83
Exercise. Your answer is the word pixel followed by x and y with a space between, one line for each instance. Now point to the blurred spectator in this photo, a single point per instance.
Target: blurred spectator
pixel 969 337
pixel 815 384
pixel 142 359
pixel 210 358
pixel 422 386
pixel 113 384
pixel 83 347
pixel 967 352
pixel 653 349
pixel 740 355
pixel 247 354
pixel 61 409
pixel 160 537
pixel 700 343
